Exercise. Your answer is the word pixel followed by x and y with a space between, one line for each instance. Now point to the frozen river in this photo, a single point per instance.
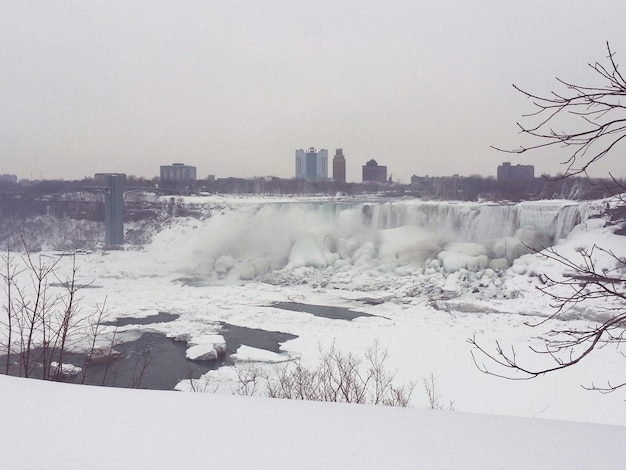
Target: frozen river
pixel 418 288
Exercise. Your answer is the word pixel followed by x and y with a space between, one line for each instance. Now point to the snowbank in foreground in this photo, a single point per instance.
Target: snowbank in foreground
pixel 52 425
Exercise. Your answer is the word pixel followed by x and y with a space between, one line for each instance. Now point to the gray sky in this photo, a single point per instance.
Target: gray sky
pixel 234 87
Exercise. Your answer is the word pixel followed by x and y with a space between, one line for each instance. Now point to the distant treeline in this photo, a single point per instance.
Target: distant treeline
pixel 30 194
pixel 462 188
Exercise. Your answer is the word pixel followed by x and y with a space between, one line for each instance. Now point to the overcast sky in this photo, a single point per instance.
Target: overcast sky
pixel 235 87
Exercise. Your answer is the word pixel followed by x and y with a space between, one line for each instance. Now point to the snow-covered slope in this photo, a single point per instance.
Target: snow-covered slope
pixel 51 425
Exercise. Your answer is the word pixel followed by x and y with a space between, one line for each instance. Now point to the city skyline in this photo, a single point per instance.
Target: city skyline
pixel 178 171
pixel 232 88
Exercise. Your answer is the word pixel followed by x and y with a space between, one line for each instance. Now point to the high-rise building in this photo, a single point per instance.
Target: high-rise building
pixel 178 172
pixel 339 166
pixel 372 171
pixel 312 164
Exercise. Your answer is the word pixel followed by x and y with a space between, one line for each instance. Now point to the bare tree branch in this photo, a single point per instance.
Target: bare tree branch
pixel 600 111
pixel 598 115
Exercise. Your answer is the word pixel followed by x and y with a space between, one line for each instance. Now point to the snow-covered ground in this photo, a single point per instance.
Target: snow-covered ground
pixel 429 276
pixel 52 425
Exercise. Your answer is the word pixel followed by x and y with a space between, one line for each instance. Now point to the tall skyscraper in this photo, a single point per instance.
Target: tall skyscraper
pixel 312 164
pixel 339 166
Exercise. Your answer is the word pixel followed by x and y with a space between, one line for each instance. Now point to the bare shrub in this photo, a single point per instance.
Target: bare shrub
pixel 200 386
pixel 342 378
pixel 248 379
pixel 434 396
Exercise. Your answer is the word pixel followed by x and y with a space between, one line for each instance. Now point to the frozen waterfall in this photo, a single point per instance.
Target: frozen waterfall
pixel 248 239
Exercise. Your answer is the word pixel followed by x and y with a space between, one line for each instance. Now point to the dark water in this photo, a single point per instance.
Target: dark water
pixel 161 317
pixel 236 336
pixel 154 361
pixel 334 313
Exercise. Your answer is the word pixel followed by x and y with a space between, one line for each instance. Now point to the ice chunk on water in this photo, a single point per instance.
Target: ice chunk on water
pixel 66 370
pixel 249 354
pixel 206 348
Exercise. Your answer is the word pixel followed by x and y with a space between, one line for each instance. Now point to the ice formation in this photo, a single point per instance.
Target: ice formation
pixel 250 239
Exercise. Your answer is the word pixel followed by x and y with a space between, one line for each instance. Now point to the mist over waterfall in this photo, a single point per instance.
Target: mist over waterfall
pixel 249 239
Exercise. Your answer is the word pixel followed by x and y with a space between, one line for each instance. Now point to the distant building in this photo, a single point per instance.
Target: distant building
pixel 422 182
pixel 312 164
pixel 8 178
pixel 178 172
pixel 339 166
pixel 372 171
pixel 508 172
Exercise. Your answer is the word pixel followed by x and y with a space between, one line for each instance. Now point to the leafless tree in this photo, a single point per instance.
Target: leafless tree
pixel 9 275
pixel 564 346
pixel 598 113
pixel 42 324
pixel 142 363
pixel 60 332
pixel 34 315
pixel 95 353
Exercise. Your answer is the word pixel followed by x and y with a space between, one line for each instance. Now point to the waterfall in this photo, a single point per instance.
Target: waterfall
pixel 480 222
pixel 567 218
pixel 251 238
pixel 554 219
